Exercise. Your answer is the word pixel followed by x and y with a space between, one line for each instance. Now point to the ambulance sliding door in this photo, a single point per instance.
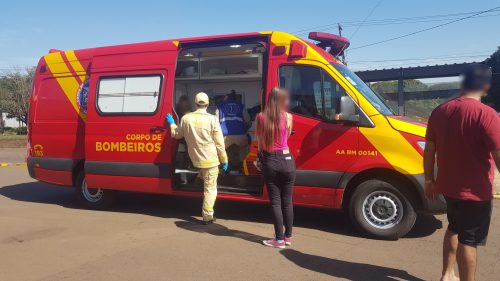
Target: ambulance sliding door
pixel 127 144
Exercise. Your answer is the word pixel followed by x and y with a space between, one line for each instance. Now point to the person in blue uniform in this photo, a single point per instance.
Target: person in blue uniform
pixel 235 122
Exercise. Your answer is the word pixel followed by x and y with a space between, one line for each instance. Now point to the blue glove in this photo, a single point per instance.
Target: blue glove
pixel 225 166
pixel 170 119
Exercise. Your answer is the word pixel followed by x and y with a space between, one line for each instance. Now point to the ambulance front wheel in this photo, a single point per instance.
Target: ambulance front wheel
pixel 93 198
pixel 381 211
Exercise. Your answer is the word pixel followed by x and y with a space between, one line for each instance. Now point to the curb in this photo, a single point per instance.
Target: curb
pixel 12 164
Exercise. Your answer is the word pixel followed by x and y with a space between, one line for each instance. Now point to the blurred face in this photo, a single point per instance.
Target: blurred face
pixel 284 100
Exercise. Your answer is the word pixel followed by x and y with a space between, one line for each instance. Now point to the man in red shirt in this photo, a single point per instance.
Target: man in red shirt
pixel 464 135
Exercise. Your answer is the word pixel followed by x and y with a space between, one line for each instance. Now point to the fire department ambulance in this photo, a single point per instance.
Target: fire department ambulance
pixel 97 123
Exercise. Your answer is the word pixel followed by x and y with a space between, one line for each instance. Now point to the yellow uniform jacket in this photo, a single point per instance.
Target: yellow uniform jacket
pixel 204 139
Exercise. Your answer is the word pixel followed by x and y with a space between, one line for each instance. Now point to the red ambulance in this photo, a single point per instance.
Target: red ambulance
pixel 97 123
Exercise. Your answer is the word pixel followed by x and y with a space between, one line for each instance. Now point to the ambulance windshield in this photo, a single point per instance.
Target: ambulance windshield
pixel 374 98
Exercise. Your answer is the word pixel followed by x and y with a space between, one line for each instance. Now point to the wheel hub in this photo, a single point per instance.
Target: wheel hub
pixel 91 194
pixel 382 209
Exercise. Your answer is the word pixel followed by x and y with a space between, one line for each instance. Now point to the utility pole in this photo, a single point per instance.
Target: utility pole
pixel 341 54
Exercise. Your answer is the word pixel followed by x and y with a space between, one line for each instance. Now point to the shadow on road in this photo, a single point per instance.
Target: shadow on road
pixel 185 208
pixel 344 269
pixel 193 224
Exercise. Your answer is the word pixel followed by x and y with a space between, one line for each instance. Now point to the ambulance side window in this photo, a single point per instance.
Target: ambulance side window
pixel 129 94
pixel 332 92
pixel 304 85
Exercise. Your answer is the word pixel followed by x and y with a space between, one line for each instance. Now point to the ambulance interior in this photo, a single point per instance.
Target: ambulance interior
pixel 217 71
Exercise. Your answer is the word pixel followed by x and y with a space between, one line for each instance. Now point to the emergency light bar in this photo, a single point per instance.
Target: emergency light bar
pixel 332 43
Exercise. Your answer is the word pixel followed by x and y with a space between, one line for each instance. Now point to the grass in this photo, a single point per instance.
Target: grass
pixel 12 137
pixel 12 141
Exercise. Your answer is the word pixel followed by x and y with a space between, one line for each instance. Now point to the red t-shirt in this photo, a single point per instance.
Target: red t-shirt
pixel 465 132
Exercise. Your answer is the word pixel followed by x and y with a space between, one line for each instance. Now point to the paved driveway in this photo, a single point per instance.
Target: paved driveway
pixel 44 235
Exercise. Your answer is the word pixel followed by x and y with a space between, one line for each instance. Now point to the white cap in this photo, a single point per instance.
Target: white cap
pixel 201 99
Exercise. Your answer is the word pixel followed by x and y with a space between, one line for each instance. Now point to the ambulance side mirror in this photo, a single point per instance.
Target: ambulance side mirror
pixel 348 112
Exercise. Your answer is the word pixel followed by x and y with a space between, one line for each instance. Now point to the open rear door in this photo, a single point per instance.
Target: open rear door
pixel 127 144
pixel 219 67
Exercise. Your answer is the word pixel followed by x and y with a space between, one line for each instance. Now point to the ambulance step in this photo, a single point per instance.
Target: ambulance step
pixel 242 190
pixel 221 189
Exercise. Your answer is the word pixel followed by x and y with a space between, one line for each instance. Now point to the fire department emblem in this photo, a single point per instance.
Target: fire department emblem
pixel 38 150
pixel 82 96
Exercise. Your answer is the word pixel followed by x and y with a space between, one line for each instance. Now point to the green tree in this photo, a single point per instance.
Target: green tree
pixel 388 87
pixel 444 86
pixel 15 90
pixel 494 93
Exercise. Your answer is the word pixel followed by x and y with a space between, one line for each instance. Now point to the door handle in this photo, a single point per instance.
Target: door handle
pixel 292 132
pixel 157 130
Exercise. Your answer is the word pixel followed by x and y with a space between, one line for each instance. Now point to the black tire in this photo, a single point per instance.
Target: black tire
pixel 94 199
pixel 375 208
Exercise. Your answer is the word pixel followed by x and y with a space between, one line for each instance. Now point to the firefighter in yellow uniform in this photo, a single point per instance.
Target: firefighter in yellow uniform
pixel 205 143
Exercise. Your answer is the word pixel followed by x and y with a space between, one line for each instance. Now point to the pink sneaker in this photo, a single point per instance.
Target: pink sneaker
pixel 288 241
pixel 274 243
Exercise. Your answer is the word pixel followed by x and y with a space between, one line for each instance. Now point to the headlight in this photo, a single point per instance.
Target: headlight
pixel 421 144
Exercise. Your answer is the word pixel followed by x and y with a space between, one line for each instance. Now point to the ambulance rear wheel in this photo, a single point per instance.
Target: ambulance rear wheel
pixel 380 210
pixel 94 198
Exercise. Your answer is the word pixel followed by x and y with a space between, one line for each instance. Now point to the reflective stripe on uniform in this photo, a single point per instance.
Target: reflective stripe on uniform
pixel 206 163
pixel 231 119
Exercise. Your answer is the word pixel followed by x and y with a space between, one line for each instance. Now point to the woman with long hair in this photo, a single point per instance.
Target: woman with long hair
pixel 274 126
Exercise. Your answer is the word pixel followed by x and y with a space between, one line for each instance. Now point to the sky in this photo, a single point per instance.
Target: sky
pixel 28 29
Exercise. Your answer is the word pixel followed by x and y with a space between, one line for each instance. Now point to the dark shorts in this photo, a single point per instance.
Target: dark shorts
pixel 470 220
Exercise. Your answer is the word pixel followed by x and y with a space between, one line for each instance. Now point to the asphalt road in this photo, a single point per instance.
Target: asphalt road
pixel 12 155
pixel 45 235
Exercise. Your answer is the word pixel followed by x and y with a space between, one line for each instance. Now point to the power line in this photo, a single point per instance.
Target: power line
pixel 390 21
pixel 334 24
pixel 425 29
pixel 367 16
pixel 357 29
pixel 416 21
pixel 417 17
pixel 397 23
pixel 354 23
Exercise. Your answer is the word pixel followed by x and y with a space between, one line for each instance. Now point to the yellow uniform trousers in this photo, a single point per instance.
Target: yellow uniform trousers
pixel 209 176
